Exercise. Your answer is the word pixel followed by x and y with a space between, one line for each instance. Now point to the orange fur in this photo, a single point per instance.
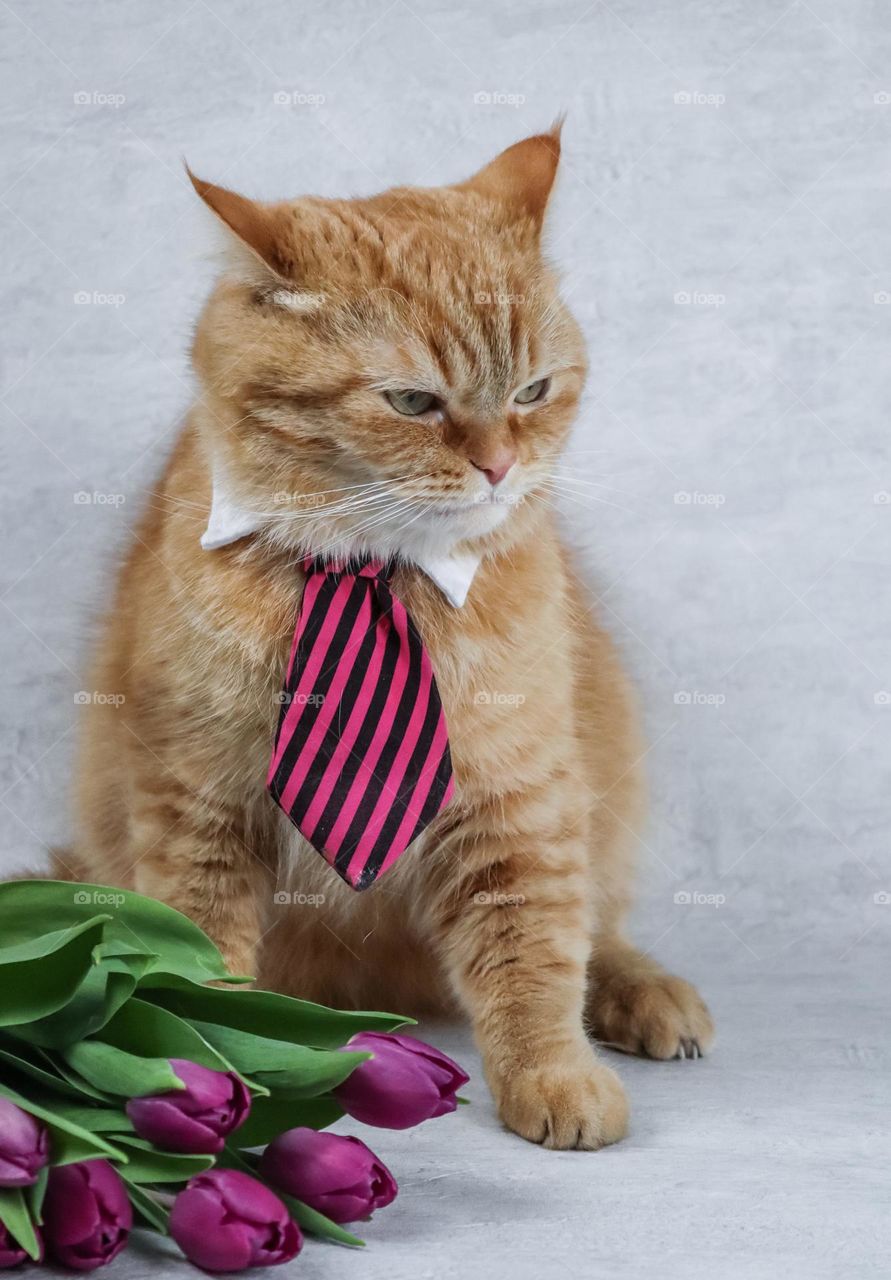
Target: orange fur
pixel 510 905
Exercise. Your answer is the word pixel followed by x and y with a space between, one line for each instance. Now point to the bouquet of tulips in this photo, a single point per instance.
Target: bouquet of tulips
pixel 134 1091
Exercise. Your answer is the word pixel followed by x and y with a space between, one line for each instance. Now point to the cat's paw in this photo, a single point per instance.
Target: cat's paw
pixel 653 1014
pixel 579 1104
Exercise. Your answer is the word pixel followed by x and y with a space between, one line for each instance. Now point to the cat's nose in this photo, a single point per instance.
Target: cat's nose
pixel 496 465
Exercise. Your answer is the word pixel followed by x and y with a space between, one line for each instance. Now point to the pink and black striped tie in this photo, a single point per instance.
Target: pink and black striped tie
pixel 361 763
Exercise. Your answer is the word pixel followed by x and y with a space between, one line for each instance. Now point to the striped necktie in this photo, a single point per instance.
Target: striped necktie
pixel 361 762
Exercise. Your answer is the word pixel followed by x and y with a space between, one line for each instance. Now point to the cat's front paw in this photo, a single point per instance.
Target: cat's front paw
pixel 562 1105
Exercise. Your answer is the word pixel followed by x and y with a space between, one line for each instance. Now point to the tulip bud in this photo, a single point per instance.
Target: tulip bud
pixel 86 1215
pixel 196 1119
pixel 224 1220
pixel 405 1082
pixel 24 1146
pixel 11 1253
pixel 336 1175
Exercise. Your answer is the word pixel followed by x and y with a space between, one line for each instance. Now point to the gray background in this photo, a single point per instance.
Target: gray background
pixel 736 522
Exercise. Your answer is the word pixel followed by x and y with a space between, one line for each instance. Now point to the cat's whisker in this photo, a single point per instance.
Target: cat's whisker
pixel 583 483
pixel 583 500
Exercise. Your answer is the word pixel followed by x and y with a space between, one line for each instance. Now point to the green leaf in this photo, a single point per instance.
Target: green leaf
pixel 110 982
pixel 118 1072
pixel 265 1013
pixel 154 1214
pixel 150 927
pixel 147 1029
pixel 69 1142
pixel 16 1217
pixel 35 1194
pixel 96 1119
pixel 271 1116
pixel 287 1070
pixel 28 1061
pixel 41 974
pixel 147 1164
pixel 316 1223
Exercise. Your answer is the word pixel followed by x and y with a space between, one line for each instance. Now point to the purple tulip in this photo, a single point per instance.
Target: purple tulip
pixel 86 1215
pixel 336 1175
pixel 405 1082
pixel 224 1220
pixel 24 1146
pixel 195 1119
pixel 11 1253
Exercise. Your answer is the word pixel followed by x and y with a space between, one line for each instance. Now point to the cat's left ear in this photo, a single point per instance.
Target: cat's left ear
pixel 521 178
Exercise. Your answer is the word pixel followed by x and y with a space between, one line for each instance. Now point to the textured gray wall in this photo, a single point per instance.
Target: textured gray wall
pixel 723 223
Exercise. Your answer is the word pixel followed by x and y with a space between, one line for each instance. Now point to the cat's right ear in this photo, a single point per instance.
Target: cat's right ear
pixel 254 231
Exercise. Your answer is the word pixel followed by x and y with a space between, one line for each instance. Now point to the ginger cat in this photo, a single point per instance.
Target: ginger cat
pixel 393 375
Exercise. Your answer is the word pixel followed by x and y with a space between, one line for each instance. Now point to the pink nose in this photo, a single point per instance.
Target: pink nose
pixel 496 467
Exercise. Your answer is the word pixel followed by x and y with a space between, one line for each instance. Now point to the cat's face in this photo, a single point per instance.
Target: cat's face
pixel 396 373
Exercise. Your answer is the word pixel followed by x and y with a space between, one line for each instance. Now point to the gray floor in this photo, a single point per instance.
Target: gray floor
pixel 722 221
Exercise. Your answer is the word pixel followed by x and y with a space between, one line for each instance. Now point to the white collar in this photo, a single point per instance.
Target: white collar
pixel 453 572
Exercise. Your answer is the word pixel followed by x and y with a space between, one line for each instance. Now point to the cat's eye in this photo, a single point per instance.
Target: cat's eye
pixel 411 403
pixel 535 391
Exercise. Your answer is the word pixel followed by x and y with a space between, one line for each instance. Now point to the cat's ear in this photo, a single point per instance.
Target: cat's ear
pixel 256 241
pixel 521 177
